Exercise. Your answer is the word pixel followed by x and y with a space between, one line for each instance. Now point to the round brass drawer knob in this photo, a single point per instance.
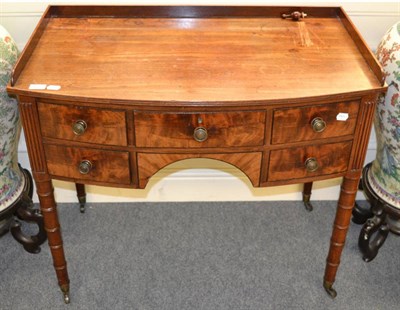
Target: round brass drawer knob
pixel 318 124
pixel 200 134
pixel 85 166
pixel 311 164
pixel 79 127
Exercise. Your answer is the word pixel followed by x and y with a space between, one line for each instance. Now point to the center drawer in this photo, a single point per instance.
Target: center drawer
pixel 195 130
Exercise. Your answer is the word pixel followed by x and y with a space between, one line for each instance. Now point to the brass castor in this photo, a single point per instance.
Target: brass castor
pixel 81 193
pixel 82 203
pixel 65 291
pixel 329 289
pixel 307 195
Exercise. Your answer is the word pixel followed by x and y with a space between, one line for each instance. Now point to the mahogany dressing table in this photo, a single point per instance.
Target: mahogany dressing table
pixel 111 94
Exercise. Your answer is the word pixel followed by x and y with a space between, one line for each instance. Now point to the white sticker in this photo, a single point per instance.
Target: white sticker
pixel 37 86
pixel 342 116
pixel 53 87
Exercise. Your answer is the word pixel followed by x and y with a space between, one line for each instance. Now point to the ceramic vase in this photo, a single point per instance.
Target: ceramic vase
pixel 384 175
pixel 11 176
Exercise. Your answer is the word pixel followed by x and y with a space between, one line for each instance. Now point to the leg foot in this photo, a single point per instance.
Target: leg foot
pixel 307 195
pixel 308 206
pixel 82 204
pixel 329 289
pixel 65 291
pixel 81 193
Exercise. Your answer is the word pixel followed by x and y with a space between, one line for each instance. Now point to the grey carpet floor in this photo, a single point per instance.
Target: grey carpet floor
pixel 232 255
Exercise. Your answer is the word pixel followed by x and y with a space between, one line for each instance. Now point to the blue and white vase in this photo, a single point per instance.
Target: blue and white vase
pixel 384 176
pixel 11 178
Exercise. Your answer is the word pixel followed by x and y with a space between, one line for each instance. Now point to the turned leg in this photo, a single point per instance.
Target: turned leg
pixel 307 195
pixel 341 224
pixel 81 193
pixel 52 226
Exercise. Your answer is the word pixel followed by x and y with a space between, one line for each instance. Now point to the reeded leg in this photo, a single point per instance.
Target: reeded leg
pixel 307 195
pixel 81 193
pixel 341 224
pixel 52 226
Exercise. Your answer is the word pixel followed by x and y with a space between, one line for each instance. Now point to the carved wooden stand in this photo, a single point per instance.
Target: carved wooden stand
pixel 23 209
pixel 378 221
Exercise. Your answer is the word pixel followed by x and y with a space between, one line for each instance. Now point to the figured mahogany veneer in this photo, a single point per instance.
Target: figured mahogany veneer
pixel 289 163
pixel 103 126
pixel 228 129
pixel 292 125
pixel 249 163
pixel 142 87
pixel 107 166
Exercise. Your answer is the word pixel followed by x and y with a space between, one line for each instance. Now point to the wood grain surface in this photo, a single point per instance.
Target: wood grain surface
pixel 248 163
pixel 294 124
pixel 108 166
pixel 229 129
pixel 103 126
pixel 144 78
pixel 289 163
pixel 196 59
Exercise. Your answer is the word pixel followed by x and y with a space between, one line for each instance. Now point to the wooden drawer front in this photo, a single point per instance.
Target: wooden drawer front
pixel 290 163
pixel 177 130
pixel 292 125
pixel 103 126
pixel 107 166
pixel 248 163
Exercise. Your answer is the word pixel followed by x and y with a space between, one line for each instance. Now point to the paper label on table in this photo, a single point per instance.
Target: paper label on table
pixel 37 86
pixel 342 117
pixel 53 87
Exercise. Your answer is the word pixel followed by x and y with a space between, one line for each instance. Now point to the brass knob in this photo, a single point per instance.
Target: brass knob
pixel 79 127
pixel 85 166
pixel 311 164
pixel 318 124
pixel 200 134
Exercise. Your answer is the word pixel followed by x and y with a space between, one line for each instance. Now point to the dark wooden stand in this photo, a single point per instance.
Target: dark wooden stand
pixel 22 210
pixel 378 220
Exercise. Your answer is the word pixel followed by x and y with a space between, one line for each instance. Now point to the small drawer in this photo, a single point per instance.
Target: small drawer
pixel 88 164
pixel 195 130
pixel 314 122
pixel 302 162
pixel 82 124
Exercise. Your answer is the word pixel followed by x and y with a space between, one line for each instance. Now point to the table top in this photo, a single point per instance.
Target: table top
pixel 196 58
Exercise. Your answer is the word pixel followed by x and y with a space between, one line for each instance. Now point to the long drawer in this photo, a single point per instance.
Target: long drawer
pixel 314 122
pixel 88 164
pixel 309 161
pixel 83 124
pixel 195 130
